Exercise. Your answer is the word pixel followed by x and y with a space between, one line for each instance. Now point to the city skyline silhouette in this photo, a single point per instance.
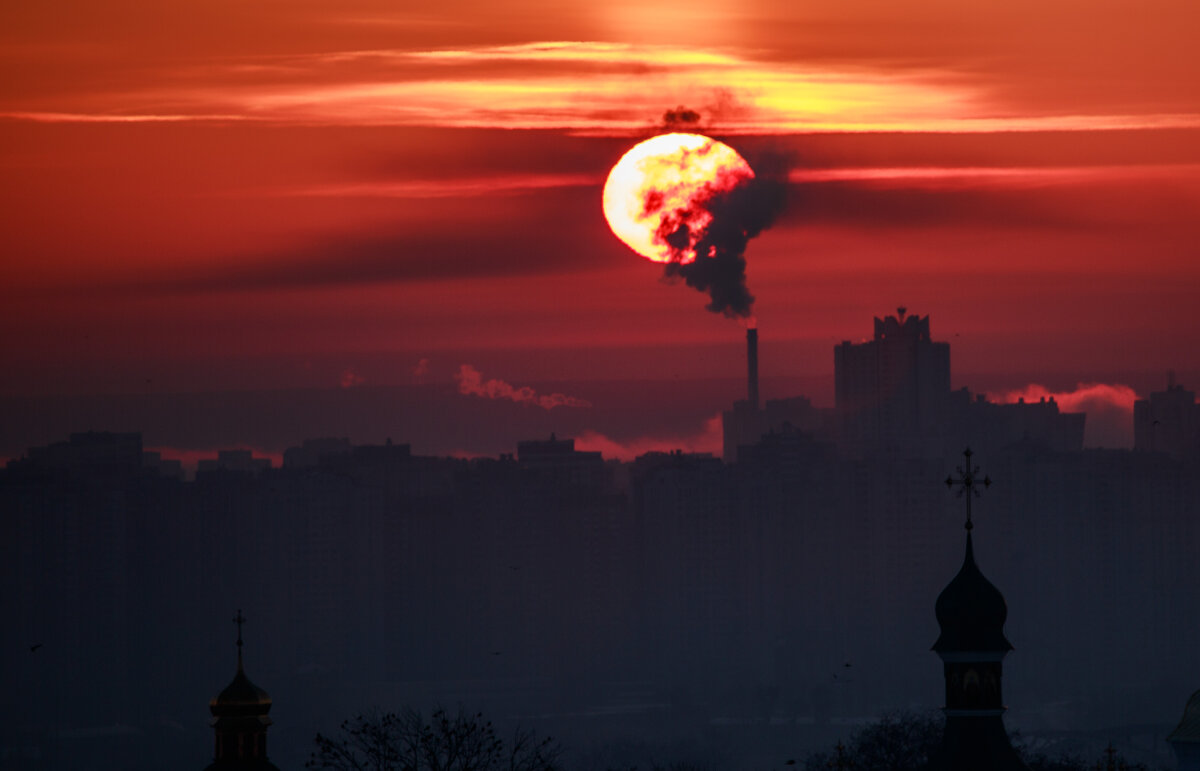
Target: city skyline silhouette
pixel 792 583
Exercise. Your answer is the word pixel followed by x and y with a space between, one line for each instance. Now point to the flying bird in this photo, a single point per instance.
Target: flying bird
pixel 33 648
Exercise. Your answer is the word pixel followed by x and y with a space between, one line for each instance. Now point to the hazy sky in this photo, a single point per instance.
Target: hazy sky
pixel 222 194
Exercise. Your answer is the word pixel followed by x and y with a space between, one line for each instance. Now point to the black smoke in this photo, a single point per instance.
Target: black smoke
pixel 680 118
pixel 738 215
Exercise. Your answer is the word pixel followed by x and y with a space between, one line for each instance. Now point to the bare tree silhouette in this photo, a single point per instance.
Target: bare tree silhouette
pixel 905 741
pixel 406 741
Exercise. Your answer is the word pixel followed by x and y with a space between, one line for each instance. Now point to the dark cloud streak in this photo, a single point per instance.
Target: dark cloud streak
pixel 555 244
pixel 1095 206
pixel 385 258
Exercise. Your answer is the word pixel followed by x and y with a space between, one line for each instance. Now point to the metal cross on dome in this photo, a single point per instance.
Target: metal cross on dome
pixel 967 478
pixel 239 619
pixel 1111 764
pixel 841 762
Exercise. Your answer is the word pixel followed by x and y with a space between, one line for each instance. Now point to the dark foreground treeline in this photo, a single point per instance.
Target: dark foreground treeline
pixel 670 596
pixel 460 741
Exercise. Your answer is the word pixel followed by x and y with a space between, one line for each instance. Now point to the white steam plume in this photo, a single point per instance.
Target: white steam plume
pixel 471 383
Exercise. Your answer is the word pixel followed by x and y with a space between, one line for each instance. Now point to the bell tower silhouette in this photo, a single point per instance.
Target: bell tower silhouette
pixel 240 721
pixel 971 612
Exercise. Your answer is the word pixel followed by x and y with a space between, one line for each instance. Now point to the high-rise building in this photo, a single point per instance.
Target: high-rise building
pixel 559 469
pixel 1168 421
pixel 891 391
pixel 892 396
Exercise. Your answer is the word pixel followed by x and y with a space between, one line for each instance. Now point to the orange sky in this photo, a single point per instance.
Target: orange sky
pixel 224 194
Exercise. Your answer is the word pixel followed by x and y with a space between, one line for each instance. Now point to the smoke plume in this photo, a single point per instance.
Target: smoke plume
pixel 738 215
pixel 471 383
pixel 722 105
pixel 680 119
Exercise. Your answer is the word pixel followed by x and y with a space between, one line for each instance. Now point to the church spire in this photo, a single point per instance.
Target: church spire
pixel 240 720
pixel 1185 739
pixel 971 612
pixel 239 620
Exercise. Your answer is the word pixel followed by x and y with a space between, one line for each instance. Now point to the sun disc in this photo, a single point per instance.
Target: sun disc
pixel 669 178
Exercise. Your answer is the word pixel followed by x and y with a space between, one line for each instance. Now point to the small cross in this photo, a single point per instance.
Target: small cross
pixel 1111 765
pixel 966 482
pixel 841 762
pixel 239 619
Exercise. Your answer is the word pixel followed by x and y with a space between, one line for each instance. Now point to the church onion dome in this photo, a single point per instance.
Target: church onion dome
pixel 241 698
pixel 1188 730
pixel 971 612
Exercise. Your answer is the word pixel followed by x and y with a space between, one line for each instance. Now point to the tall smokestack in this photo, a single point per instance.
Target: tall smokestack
pixel 752 365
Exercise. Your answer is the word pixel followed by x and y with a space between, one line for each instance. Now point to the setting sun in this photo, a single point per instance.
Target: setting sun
pixel 659 191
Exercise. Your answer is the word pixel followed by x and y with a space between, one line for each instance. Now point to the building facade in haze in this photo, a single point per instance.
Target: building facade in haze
pixel 892 391
pixel 892 397
pixel 1168 421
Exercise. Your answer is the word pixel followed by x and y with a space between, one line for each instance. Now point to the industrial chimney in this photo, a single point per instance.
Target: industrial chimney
pixel 752 366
